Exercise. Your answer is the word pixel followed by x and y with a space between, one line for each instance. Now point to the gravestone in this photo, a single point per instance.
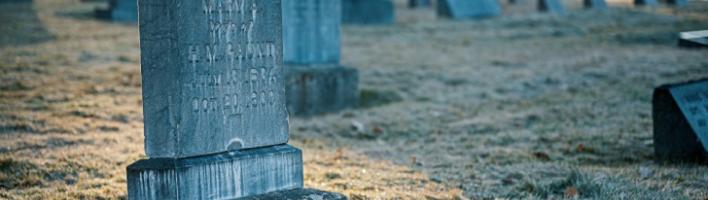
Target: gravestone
pixel 419 3
pixel 315 82
pixel 214 102
pixel 595 4
pixel 646 2
pixel 120 11
pixel 368 12
pixel 694 39
pixel 465 9
pixel 680 113
pixel 551 6
pixel 677 2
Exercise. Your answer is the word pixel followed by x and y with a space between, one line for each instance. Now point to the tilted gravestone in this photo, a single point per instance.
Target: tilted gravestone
pixel 370 12
pixel 680 113
pixel 595 4
pixel 465 9
pixel 120 11
pixel 419 3
pixel 214 102
pixel 551 6
pixel 315 82
pixel 646 2
pixel 694 39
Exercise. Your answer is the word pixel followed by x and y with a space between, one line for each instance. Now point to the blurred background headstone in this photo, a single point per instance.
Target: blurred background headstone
pixel 465 9
pixel 120 11
pixel 315 82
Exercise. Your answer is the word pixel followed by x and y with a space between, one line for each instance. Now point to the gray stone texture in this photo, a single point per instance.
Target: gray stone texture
pixel 680 114
pixel 551 6
pixel 646 2
pixel 317 89
pixel 694 39
pixel 120 11
pixel 465 9
pixel 419 3
pixel 225 175
pixel 311 31
pixel 595 4
pixel 298 194
pixel 212 76
pixel 368 12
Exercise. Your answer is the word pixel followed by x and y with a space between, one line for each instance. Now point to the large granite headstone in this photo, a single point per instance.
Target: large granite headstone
pixel 120 11
pixel 368 12
pixel 551 6
pixel 419 3
pixel 465 9
pixel 694 39
pixel 214 102
pixel 315 82
pixel 680 113
pixel 646 2
pixel 595 4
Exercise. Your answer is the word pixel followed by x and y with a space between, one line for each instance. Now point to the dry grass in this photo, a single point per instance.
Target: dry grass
pixel 523 106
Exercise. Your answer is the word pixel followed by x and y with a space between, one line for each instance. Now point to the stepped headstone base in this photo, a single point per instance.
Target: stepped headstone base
pixel 226 175
pixel 298 194
pixel 318 89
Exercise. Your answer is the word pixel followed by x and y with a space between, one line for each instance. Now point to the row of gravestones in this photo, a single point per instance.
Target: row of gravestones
pixel 382 11
pixel 216 78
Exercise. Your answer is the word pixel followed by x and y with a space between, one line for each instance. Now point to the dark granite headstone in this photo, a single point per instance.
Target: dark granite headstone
pixel 595 4
pixel 551 6
pixel 369 12
pixel 120 11
pixel 646 2
pixel 315 82
pixel 465 9
pixel 694 39
pixel 680 113
pixel 419 3
pixel 677 2
pixel 216 125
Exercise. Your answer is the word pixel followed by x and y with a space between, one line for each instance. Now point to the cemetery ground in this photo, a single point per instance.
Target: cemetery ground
pixel 526 105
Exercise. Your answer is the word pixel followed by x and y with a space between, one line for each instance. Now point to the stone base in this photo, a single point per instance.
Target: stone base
pixel 318 89
pixel 595 4
pixel 298 194
pixel 367 12
pixel 646 2
pixel 117 15
pixel 219 176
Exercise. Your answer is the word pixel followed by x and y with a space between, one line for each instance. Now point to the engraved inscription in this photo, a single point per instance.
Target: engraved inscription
pixel 234 73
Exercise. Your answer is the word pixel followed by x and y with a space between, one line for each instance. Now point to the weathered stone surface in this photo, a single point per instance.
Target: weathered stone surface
pixel 694 39
pixel 680 113
pixel 317 89
pixel 465 9
pixel 551 6
pixel 225 175
pixel 298 194
pixel 120 11
pixel 211 76
pixel 311 31
pixel 419 3
pixel 595 4
pixel 368 12
pixel 646 2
